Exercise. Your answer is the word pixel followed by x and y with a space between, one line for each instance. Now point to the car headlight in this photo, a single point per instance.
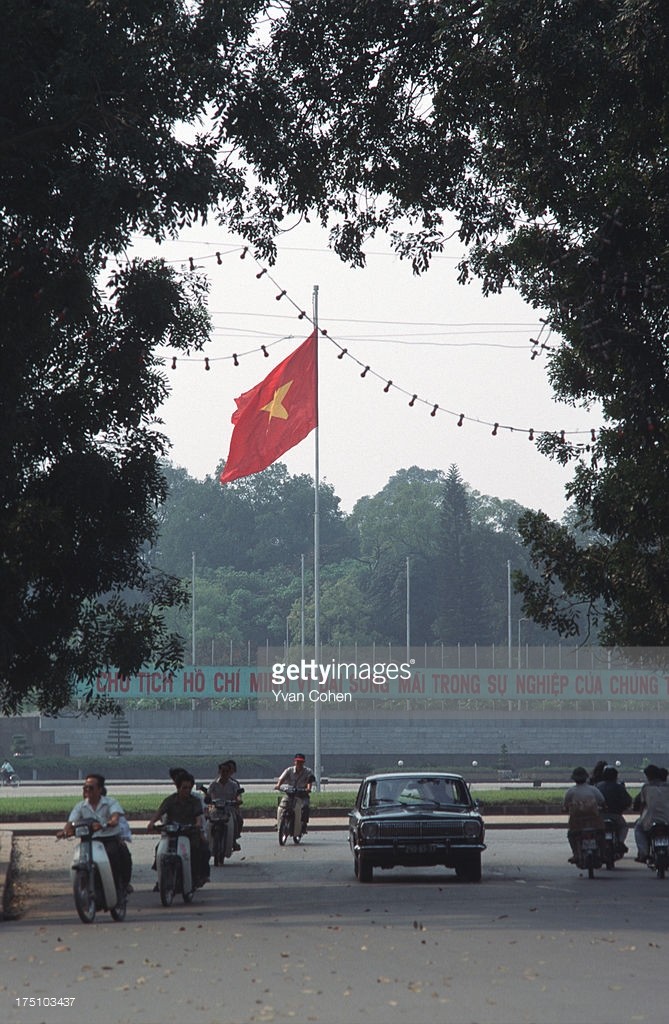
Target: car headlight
pixel 369 830
pixel 472 829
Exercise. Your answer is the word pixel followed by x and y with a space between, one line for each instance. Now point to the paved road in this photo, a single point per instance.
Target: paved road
pixel 288 935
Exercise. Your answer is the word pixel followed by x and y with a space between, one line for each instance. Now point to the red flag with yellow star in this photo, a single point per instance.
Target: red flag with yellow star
pixel 275 415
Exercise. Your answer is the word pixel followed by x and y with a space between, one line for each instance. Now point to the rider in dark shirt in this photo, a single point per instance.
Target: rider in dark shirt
pixel 618 800
pixel 186 809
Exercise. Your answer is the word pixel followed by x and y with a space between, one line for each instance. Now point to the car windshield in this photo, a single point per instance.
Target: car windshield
pixel 430 790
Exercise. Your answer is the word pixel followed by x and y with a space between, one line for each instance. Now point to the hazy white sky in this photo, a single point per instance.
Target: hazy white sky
pixel 430 336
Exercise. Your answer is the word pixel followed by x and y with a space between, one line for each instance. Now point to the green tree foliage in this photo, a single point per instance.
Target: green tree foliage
pixel 98 103
pixel 239 608
pixel 458 543
pixel 254 524
pixel 249 592
pixel 462 612
pixel 248 539
pixel 400 522
pixel 542 128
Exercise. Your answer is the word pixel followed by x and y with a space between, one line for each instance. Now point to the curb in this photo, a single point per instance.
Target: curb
pixel 316 824
pixel 6 845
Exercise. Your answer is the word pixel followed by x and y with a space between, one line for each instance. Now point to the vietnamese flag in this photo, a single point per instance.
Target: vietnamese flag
pixel 275 415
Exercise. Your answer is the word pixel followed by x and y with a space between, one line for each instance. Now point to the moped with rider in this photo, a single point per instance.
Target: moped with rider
pixel 182 856
pixel 613 847
pixel 222 830
pixel 658 848
pixel 585 806
pixel 292 820
pixel 587 846
pixel 8 775
pixel 93 884
pixel 174 863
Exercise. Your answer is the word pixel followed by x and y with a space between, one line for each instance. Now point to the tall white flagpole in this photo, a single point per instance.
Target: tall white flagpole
pixel 317 602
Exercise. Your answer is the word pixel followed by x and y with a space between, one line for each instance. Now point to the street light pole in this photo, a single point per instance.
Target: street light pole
pixel 524 619
pixel 508 610
pixel 193 613
pixel 408 612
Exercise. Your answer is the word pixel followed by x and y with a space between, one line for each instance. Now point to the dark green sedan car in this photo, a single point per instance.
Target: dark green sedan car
pixel 416 819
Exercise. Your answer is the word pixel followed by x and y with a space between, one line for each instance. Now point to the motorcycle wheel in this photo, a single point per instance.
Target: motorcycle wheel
pixel 118 912
pixel 168 884
pixel 219 848
pixel 590 866
pixel 226 845
pixel 84 901
pixel 661 865
pixel 284 828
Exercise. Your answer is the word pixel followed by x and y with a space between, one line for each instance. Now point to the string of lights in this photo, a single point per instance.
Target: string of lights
pixel 537 346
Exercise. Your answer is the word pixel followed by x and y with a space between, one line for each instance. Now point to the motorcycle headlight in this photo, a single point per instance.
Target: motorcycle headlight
pixel 369 830
pixel 472 829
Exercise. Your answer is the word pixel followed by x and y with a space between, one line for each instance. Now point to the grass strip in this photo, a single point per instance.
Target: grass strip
pixel 18 807
pixel 56 808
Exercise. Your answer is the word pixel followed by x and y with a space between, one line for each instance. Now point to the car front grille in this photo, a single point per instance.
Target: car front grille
pixel 417 830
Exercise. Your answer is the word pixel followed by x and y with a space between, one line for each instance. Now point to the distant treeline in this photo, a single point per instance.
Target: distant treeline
pixel 247 541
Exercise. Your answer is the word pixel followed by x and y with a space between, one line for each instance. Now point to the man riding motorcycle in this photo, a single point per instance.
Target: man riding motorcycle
pixel 618 800
pixel 106 814
pixel 301 777
pixel 184 808
pixel 225 787
pixel 653 802
pixel 584 804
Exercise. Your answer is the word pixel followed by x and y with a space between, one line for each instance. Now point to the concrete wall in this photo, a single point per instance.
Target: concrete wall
pixel 38 733
pixel 359 744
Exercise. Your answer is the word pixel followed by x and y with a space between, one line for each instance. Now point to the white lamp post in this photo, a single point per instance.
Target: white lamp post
pixel 524 619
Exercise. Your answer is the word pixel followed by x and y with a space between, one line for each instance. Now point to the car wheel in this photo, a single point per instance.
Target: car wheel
pixel 364 871
pixel 469 868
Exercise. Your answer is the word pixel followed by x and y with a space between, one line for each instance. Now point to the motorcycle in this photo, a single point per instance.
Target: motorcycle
pixel 588 851
pixel 173 863
pixel 297 803
pixel 11 778
pixel 93 882
pixel 221 816
pixel 658 848
pixel 614 848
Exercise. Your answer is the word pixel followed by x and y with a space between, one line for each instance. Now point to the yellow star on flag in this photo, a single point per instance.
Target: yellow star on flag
pixel 276 408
